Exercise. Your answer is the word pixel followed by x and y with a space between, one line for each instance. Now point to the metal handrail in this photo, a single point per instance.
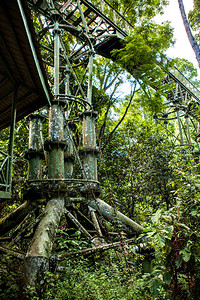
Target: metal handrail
pixel 175 73
pixel 4 172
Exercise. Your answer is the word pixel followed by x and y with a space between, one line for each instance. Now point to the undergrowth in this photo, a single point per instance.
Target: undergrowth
pixel 97 277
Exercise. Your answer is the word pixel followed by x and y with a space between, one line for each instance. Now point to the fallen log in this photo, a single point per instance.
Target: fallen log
pixel 113 215
pixel 38 254
pixel 95 249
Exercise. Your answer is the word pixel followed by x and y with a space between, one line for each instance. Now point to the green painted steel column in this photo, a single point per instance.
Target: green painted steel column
pixel 56 32
pixel 56 143
pixel 90 151
pixel 69 157
pixel 35 153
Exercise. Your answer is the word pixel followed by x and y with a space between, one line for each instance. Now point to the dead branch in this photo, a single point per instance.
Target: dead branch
pixel 95 249
pixel 15 217
pixel 11 252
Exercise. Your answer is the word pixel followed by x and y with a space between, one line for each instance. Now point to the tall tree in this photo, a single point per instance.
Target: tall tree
pixel 191 38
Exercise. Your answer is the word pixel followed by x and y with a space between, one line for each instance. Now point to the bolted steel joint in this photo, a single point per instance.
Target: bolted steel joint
pixel 50 144
pixel 91 113
pixel 32 154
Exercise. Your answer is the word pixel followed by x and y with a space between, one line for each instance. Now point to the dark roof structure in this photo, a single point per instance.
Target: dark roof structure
pixel 20 63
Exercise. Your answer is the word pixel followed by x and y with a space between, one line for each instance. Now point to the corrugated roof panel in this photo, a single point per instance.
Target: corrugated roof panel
pixel 17 64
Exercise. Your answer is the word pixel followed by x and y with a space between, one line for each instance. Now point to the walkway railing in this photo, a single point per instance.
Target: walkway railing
pixel 5 184
pixel 120 21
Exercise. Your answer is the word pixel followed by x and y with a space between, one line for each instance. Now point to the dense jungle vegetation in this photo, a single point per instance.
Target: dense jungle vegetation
pixel 143 172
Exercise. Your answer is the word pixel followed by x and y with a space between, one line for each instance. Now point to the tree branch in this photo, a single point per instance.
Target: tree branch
pixel 16 216
pixel 121 120
pixel 191 38
pixel 95 249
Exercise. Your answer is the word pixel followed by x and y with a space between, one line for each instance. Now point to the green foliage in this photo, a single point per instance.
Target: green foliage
pixel 10 284
pixel 156 182
pixel 83 280
pixel 141 52
pixel 174 235
pixel 138 10
pixel 194 18
pixel 70 240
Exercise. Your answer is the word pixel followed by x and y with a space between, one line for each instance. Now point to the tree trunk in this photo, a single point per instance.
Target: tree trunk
pixel 111 214
pixel 37 257
pixel 191 38
pixel 16 216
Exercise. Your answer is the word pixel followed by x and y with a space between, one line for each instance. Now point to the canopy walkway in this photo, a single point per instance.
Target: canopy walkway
pixel 101 28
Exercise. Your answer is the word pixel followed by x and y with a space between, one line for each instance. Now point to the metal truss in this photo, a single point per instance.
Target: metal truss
pixel 181 109
pixel 93 32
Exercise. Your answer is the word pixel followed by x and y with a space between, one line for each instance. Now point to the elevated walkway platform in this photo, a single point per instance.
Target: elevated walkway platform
pixel 20 63
pixel 23 81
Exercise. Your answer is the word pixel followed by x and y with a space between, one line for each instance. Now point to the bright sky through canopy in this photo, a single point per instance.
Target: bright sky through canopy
pixel 182 47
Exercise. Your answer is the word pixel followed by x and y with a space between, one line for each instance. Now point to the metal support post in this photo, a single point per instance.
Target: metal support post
pixel 95 222
pixel 67 91
pixel 56 32
pixel 35 153
pixel 69 157
pixel 90 150
pixel 12 135
pixel 90 71
pixel 78 225
pixel 56 143
pixel 179 125
pixel 37 258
